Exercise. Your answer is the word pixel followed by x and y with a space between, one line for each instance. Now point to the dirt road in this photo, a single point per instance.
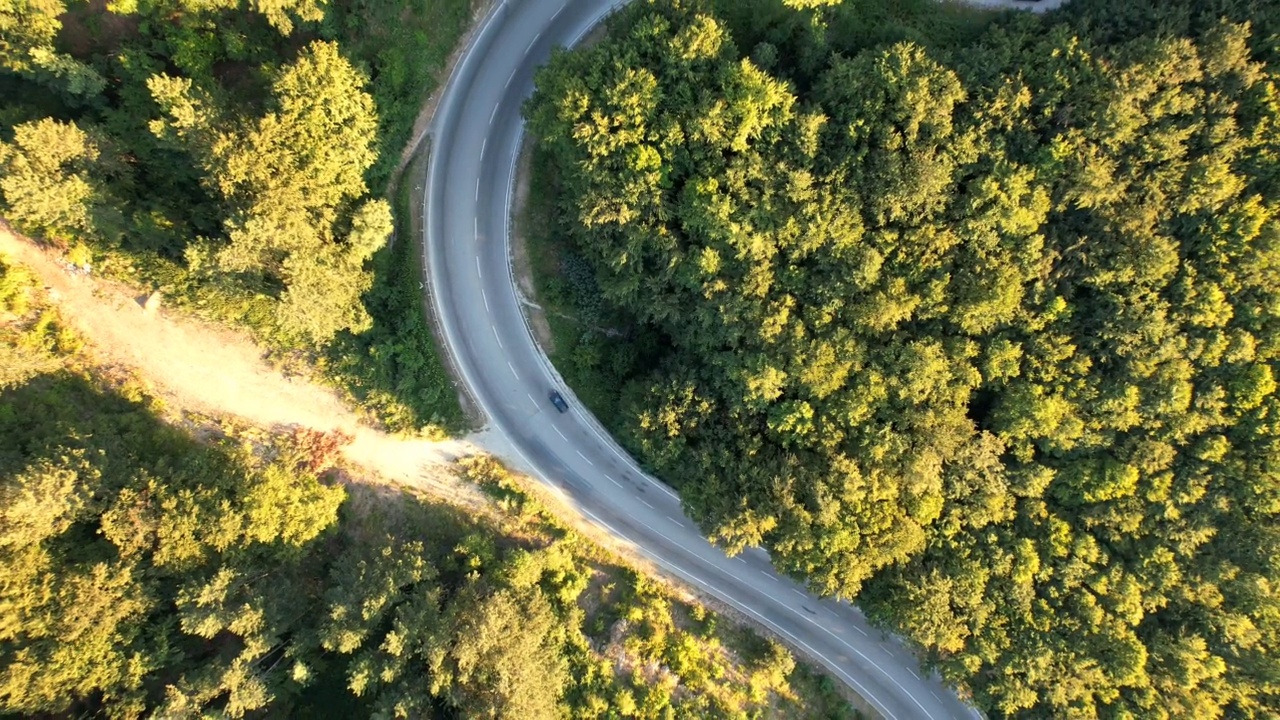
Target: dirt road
pixel 201 367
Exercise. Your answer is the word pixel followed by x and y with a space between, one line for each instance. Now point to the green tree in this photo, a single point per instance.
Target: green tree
pixel 48 181
pixel 971 331
pixel 291 180
pixel 503 656
pixel 27 27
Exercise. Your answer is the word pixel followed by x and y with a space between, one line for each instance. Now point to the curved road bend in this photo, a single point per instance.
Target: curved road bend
pixel 477 136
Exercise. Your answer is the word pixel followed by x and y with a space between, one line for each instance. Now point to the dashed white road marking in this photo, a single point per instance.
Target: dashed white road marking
pixel 799 593
pixel 680 570
pixel 664 488
pixel 584 457
pixel 862 689
pixel 513 370
pixel 626 459
pixel 762 572
pixel 854 649
pixel 935 696
pixel 485 298
pixel 483 144
pixel 676 521
pixel 531 43
pixel 504 87
pixel 864 632
pixel 562 437
pixel 479 273
pixel 862 655
pixel 496 336
pixel 493 114
pixel 530 396
pixel 477 189
pixel 615 482
pixel 646 502
pixel 654 529
pixel 744 562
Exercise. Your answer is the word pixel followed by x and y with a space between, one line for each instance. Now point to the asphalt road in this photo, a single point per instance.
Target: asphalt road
pixel 476 139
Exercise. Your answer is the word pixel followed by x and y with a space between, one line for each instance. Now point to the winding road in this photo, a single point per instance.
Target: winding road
pixel 476 139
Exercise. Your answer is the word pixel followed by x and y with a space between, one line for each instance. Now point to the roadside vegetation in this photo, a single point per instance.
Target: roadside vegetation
pixel 971 317
pixel 238 158
pixel 157 563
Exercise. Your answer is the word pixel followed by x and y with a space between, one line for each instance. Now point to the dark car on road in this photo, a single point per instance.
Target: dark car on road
pixel 558 400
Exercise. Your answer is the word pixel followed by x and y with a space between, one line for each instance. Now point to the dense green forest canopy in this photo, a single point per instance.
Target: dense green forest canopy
pixel 978 327
pixel 231 155
pixel 285 181
pixel 148 573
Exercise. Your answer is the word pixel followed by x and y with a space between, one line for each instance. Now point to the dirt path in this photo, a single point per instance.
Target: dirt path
pixel 201 367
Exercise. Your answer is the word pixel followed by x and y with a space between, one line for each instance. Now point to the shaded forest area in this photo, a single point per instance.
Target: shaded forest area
pixel 207 569
pixel 234 156
pixel 972 317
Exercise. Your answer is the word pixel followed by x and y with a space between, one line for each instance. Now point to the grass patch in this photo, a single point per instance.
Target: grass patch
pixel 394 370
pixel 406 48
pixel 594 348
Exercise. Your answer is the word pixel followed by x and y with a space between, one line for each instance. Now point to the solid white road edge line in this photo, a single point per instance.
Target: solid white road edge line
pixel 852 681
pixel 654 529
pixel 871 662
pixel 862 690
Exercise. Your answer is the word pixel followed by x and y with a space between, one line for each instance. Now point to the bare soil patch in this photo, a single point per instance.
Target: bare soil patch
pixel 195 366
pixel 414 179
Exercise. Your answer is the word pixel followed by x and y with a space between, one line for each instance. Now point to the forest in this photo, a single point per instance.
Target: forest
pixel 240 158
pixel 972 318
pixel 155 563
